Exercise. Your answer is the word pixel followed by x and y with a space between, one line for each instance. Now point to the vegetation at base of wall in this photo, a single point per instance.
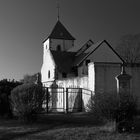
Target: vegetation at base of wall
pixel 26 101
pixel 104 105
pixel 5 90
pixel 111 106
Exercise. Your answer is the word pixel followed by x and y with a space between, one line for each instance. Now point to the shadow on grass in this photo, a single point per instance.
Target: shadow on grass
pixel 12 129
pixel 137 125
pixel 71 118
pixel 11 135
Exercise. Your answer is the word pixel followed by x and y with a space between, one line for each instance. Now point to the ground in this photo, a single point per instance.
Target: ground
pixel 63 127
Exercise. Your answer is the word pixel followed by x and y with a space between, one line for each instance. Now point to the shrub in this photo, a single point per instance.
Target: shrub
pixel 113 107
pixel 26 101
pixel 125 114
pixel 108 105
pixel 104 105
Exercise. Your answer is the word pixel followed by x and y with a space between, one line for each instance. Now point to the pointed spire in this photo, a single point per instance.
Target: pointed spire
pixel 60 32
pixel 58 10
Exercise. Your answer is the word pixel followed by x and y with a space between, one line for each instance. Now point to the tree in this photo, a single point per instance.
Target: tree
pixel 129 48
pixel 5 91
pixel 31 78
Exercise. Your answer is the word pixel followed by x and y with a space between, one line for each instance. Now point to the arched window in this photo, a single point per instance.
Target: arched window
pixel 49 74
pixel 58 48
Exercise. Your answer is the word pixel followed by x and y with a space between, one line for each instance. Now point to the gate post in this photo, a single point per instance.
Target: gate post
pixel 67 104
pixel 81 100
pixel 123 83
pixel 47 100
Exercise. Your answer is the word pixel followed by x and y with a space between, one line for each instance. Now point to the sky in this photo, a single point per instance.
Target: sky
pixel 25 24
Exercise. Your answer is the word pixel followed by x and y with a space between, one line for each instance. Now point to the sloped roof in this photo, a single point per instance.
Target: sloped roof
pixel 60 32
pixel 92 49
pixel 63 60
pixel 79 58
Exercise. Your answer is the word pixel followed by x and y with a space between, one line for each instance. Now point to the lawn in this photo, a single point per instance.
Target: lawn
pixel 63 127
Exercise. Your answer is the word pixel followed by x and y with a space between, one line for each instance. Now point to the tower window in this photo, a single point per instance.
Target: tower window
pixel 49 74
pixel 58 48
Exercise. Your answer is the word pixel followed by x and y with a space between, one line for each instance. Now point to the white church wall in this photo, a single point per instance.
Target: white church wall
pixel 48 67
pixel 46 44
pixel 91 76
pixel 75 82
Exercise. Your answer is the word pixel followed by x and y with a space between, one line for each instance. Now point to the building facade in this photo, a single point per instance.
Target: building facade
pixel 92 66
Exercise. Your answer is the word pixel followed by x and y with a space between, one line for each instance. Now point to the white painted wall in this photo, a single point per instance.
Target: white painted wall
pixel 75 82
pixel 46 44
pixel 91 76
pixel 48 64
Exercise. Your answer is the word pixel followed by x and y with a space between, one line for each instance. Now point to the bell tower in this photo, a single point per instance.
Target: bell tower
pixel 59 39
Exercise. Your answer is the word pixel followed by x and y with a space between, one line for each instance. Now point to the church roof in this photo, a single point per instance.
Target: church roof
pixel 92 49
pixel 66 61
pixel 63 60
pixel 60 32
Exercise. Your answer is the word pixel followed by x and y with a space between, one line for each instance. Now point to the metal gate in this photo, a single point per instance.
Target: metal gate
pixel 69 100
pixel 53 99
pixel 77 99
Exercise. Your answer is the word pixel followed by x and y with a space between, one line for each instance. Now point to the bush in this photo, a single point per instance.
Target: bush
pixel 26 101
pixel 109 105
pixel 112 107
pixel 125 114
pixel 104 105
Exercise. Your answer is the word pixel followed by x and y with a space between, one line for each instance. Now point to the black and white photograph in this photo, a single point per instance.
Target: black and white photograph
pixel 69 69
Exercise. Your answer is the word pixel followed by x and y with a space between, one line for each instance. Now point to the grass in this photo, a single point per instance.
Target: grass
pixel 62 127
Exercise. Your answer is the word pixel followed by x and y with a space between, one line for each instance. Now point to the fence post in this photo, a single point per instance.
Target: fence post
pixel 47 100
pixel 81 100
pixel 67 104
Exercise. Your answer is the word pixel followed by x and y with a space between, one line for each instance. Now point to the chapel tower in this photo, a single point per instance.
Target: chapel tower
pixel 59 39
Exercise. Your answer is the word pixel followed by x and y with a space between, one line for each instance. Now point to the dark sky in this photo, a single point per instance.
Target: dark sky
pixel 24 24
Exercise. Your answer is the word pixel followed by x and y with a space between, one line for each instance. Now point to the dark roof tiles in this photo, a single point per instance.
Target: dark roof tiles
pixel 60 32
pixel 63 60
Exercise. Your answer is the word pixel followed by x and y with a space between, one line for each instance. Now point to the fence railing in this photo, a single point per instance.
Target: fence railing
pixel 65 100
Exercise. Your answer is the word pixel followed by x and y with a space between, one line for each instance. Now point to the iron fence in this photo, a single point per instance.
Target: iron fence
pixel 65 100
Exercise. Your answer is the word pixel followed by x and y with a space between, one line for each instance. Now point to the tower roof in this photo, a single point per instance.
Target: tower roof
pixel 60 32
